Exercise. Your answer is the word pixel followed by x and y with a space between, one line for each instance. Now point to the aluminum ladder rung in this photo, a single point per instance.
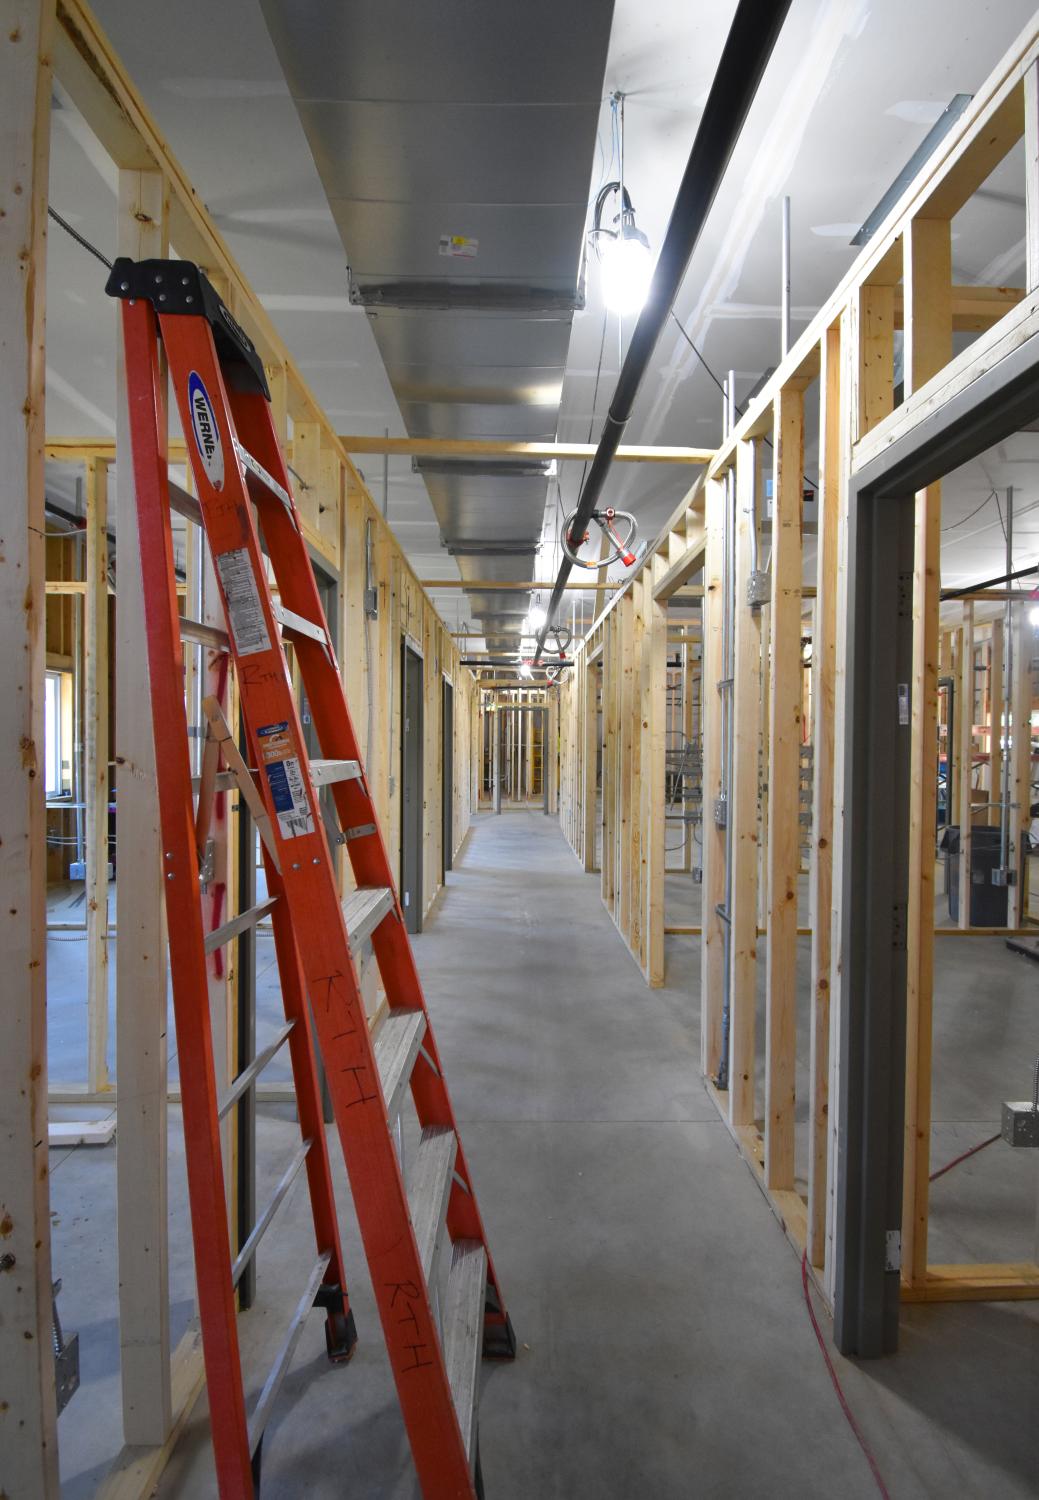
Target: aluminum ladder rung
pixel 184 504
pixel 397 1045
pixel 463 1333
pixel 249 1074
pixel 428 1179
pixel 204 635
pixel 295 624
pixel 246 919
pixel 262 1224
pixel 283 1358
pixel 364 909
pixel 327 772
pixel 223 781
pixel 255 468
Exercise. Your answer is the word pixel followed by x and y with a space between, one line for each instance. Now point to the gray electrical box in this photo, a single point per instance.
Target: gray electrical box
pixel 1020 1124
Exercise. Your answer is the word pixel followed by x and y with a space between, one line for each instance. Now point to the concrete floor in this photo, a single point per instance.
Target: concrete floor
pixel 665 1349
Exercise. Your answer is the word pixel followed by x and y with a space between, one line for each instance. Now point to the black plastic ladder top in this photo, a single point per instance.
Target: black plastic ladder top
pixel 181 287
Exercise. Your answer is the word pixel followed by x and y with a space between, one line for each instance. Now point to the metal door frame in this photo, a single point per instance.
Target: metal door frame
pixel 447 774
pixel 411 739
pixel 874 894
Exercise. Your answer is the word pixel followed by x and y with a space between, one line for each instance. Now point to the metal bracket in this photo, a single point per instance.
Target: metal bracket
pixel 66 1355
pixel 759 591
pixel 332 828
pixel 893 1250
pixel 208 865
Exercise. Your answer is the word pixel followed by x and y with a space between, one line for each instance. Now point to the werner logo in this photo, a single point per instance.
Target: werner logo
pixel 207 437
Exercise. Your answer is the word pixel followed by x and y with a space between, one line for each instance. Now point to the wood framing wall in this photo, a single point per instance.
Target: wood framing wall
pixel 774 897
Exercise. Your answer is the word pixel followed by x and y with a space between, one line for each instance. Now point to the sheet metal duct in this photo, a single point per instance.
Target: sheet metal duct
pixel 455 143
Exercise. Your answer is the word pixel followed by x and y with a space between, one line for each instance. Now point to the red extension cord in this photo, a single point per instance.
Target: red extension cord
pixel 845 1408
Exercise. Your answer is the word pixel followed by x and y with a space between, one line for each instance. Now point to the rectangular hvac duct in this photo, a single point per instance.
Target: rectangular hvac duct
pixel 455 143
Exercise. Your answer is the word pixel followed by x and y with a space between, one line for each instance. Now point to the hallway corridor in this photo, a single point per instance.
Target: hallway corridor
pixel 664 1347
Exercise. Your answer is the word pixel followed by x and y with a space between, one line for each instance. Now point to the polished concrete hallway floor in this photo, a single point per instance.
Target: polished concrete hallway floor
pixel 665 1350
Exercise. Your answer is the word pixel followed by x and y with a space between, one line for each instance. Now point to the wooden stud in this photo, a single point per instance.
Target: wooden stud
pixel 28 1418
pixel 141 990
pixel 995 723
pixel 784 856
pixel 927 248
pixel 824 669
pixel 95 646
pixel 712 948
pixel 1031 123
pixel 745 698
pixel 965 738
pixel 654 770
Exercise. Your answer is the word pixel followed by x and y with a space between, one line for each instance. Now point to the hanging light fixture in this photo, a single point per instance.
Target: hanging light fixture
pixel 623 252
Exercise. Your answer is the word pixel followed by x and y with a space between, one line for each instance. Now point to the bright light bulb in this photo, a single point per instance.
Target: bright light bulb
pixel 534 621
pixel 1033 616
pixel 627 269
pixel 526 670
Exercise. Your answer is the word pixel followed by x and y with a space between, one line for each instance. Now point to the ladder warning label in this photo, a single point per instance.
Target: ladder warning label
pixel 244 610
pixel 285 779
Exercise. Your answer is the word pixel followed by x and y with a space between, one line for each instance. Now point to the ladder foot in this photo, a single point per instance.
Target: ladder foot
pixel 340 1337
pixel 499 1340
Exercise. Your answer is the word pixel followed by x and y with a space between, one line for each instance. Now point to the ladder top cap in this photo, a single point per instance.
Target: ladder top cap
pixel 181 287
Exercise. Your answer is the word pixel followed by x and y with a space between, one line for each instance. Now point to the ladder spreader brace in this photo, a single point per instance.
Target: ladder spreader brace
pixel 434 1341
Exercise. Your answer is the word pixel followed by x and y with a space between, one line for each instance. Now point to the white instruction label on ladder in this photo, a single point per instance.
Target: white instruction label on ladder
pixel 285 779
pixel 244 609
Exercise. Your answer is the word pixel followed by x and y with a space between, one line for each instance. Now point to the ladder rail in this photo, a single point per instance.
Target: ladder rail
pixel 209 1229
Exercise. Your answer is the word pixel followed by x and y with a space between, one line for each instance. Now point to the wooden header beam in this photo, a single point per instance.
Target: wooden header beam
pixel 486 585
pixel 496 448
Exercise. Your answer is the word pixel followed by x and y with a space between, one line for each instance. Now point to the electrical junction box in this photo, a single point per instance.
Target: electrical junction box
pixel 78 870
pixel 1021 1124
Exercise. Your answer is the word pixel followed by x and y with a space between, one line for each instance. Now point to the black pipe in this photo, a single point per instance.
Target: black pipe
pixel 991 583
pixel 748 47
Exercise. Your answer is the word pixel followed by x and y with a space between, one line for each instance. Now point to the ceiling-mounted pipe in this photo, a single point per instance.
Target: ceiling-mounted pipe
pixel 748 47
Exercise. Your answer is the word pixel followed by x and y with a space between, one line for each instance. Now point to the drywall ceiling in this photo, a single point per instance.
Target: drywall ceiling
pixel 852 90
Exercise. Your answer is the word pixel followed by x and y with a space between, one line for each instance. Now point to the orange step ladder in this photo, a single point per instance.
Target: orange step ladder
pixel 434 1342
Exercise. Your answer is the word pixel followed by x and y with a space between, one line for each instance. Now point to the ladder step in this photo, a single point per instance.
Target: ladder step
pixel 255 468
pixel 223 781
pixel 283 1358
pixel 295 624
pixel 463 1333
pixel 263 1223
pixel 252 1072
pixel 325 772
pixel 428 1181
pixel 184 504
pixel 364 909
pixel 396 1048
pixel 204 635
pixel 246 919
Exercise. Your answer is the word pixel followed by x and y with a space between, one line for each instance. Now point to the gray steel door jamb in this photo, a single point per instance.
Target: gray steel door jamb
pixel 874 895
